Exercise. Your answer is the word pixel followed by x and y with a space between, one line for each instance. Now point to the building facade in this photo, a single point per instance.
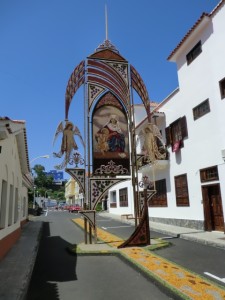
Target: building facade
pixel 72 193
pixel 190 182
pixel 15 179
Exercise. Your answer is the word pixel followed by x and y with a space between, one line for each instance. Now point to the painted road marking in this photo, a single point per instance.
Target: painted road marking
pixel 215 277
pixel 105 228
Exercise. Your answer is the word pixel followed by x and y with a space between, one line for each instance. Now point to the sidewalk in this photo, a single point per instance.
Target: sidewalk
pixel 17 266
pixel 214 238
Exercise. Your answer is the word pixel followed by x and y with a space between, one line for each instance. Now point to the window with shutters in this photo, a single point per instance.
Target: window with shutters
pixel 209 174
pixel 202 109
pixel 181 188
pixel 175 134
pixel 123 197
pixel 222 88
pixel 113 203
pixel 160 198
pixel 195 51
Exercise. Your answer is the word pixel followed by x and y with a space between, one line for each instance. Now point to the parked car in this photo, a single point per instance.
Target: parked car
pixel 66 207
pixel 74 208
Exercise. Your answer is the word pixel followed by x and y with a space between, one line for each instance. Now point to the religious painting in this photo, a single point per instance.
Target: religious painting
pixel 110 138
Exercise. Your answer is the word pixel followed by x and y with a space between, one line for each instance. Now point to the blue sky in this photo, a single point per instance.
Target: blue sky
pixel 43 41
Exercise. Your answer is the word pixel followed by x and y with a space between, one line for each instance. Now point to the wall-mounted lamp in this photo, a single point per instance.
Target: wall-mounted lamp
pixel 223 154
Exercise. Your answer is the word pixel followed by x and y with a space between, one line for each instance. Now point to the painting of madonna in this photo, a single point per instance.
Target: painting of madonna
pixel 115 137
pixel 110 134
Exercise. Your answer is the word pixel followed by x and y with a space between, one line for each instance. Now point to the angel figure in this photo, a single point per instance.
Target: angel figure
pixel 150 147
pixel 68 143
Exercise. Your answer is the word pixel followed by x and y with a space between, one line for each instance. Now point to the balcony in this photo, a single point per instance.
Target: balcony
pixel 145 164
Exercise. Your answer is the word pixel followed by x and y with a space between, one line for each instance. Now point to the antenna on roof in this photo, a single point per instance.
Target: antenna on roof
pixel 106 23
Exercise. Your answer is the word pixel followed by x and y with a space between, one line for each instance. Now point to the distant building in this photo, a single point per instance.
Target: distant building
pixel 72 193
pixel 15 180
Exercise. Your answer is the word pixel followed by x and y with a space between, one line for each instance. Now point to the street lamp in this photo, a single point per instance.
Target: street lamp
pixel 146 183
pixel 41 156
pixel 34 197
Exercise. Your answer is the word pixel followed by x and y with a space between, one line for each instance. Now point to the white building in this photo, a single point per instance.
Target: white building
pixel 15 179
pixel 191 183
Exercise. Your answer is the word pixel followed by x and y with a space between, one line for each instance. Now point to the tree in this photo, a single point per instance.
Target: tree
pixel 41 180
pixel 45 186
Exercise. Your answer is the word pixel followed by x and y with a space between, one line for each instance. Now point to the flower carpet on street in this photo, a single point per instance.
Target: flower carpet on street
pixel 103 235
pixel 180 280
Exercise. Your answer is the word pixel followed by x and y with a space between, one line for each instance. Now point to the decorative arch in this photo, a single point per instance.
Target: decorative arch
pixel 139 86
pixel 106 75
pixel 77 78
pixel 109 80
pixel 103 70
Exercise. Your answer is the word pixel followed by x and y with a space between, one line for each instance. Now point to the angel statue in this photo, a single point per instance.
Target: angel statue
pixel 150 146
pixel 68 144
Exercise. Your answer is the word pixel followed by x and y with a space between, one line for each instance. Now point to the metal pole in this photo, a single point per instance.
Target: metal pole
pixel 85 231
pixel 148 238
pixel 134 169
pixel 34 198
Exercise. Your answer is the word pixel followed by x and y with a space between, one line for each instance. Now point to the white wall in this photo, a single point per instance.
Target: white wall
pixel 122 210
pixel 11 173
pixel 198 81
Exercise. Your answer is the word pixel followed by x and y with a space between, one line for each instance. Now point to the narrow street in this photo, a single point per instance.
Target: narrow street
pixel 59 275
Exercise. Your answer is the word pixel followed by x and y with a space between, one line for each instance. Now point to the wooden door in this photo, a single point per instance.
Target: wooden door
pixel 213 209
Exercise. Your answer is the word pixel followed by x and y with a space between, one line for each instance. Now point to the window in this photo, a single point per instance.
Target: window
pixel 175 133
pixel 160 198
pixel 24 206
pixel 3 202
pixel 113 199
pixel 209 174
pixel 181 187
pixel 10 215
pixel 16 207
pixel 194 53
pixel 222 88
pixel 202 109
pixel 123 197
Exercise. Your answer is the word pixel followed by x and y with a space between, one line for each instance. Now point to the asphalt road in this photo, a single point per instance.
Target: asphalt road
pixel 191 255
pixel 60 275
